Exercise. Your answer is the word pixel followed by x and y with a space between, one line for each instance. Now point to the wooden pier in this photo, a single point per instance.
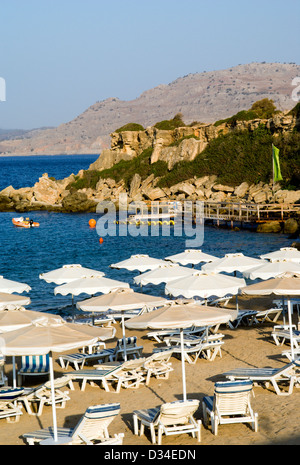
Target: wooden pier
pixel 226 212
pixel 249 212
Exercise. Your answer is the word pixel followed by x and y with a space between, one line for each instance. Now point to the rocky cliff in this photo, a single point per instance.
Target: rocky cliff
pixel 183 143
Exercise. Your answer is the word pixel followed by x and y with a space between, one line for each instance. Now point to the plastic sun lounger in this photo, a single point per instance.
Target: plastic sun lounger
pixel 229 404
pixel 158 365
pixel 10 407
pixel 41 395
pixel 266 376
pixel 163 334
pixel 91 428
pixel 281 335
pixel 271 315
pixel 170 418
pixel 206 349
pixel 118 352
pixel 129 374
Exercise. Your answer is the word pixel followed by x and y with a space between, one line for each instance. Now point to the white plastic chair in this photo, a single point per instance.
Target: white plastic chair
pixel 229 404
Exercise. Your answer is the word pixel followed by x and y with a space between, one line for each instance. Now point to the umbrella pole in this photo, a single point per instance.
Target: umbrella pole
pixel 124 338
pixel 291 329
pixel 183 364
pixel 53 397
pixel 14 372
pixel 73 318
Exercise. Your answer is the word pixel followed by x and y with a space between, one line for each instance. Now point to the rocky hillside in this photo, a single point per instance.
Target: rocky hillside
pixel 203 97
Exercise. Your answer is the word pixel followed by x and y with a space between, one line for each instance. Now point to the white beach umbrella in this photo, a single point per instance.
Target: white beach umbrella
pixel 285 253
pixel 90 285
pixel 205 285
pixel 11 299
pixel 50 334
pixel 271 270
pixel 231 263
pixel 14 317
pixel 121 300
pixel 179 317
pixel 68 273
pixel 163 274
pixel 8 286
pixel 139 262
pixel 191 256
pixel 286 285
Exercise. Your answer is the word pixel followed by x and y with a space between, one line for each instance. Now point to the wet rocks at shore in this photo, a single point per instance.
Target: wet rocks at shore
pixel 57 195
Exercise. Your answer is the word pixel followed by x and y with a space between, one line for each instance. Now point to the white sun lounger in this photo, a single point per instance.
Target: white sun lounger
pixel 170 418
pixel 91 428
pixel 266 376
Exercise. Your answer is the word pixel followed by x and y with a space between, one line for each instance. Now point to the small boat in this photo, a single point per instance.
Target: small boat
pixel 24 223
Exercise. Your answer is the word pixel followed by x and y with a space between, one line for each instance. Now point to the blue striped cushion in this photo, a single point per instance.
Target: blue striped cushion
pixel 209 401
pixel 102 411
pixel 229 387
pixel 10 393
pixel 35 364
pixel 149 415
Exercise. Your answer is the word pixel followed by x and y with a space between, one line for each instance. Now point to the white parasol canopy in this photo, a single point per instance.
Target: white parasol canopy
pixel 11 299
pixel 68 273
pixel 271 270
pixel 163 274
pixel 286 284
pixel 8 286
pixel 285 253
pixel 232 262
pixel 14 317
pixel 120 299
pixel 179 317
pixel 205 285
pixel 51 334
pixel 191 256
pixel 139 262
pixel 89 285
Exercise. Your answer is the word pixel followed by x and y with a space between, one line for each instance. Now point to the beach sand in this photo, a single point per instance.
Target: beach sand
pixel 278 416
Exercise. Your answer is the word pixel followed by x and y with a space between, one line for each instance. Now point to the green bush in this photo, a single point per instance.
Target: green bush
pixel 131 127
pixel 241 156
pixel 168 125
pixel 262 109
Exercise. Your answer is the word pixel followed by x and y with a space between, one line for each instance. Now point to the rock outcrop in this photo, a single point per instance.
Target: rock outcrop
pixel 180 144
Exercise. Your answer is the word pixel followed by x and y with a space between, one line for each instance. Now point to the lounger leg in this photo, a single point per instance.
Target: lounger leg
pixel 135 424
pixel 159 435
pixel 199 422
pixel 152 431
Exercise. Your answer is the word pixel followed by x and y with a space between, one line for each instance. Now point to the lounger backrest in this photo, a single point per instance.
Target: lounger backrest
pixel 95 421
pixel 178 412
pixel 130 342
pixel 232 397
pixel 163 356
pixel 35 363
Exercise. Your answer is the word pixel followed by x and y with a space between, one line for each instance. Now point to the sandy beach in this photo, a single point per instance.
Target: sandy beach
pixel 278 416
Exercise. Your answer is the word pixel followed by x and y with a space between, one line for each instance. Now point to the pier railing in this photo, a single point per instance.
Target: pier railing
pixel 228 211
pixel 249 212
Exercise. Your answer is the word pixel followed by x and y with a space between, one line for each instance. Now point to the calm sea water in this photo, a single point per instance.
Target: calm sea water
pixel 68 239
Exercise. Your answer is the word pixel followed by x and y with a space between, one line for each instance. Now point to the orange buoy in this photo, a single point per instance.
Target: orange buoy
pixel 101 240
pixel 92 223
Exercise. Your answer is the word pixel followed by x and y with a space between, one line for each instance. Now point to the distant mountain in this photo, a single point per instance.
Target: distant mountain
pixel 205 97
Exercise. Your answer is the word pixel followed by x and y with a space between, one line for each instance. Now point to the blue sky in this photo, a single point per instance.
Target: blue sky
pixel 58 57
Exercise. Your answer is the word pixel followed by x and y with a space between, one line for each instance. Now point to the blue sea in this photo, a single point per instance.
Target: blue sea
pixel 67 238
